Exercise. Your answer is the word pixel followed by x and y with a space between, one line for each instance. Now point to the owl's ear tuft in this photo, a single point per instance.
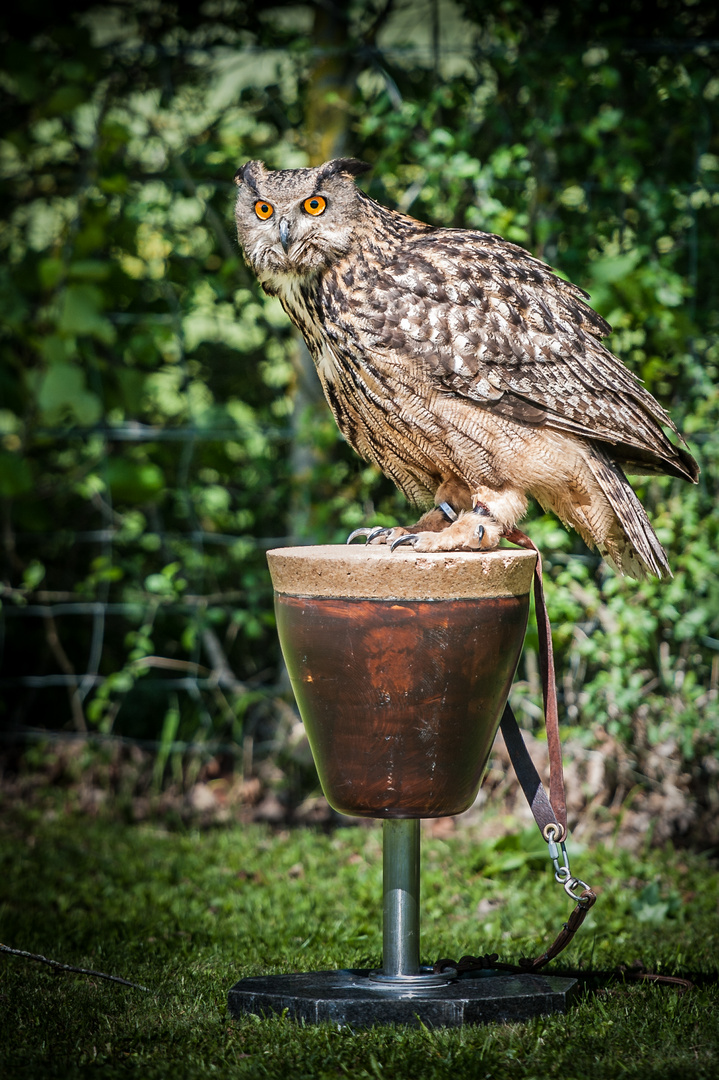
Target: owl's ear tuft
pixel 249 174
pixel 347 166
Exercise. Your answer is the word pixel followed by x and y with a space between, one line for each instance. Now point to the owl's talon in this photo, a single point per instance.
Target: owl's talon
pixel 479 533
pixel 371 534
pixel 379 531
pixel 359 532
pixel 406 538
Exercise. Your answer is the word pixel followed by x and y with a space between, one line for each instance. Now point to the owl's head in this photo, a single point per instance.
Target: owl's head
pixel 296 221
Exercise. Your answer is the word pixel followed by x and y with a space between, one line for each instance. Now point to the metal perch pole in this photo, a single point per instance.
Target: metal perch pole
pixel 400 888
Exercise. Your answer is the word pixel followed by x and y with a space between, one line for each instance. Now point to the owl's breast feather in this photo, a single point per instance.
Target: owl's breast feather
pixel 326 362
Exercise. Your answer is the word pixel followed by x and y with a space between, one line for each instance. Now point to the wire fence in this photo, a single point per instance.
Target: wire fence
pixel 203 674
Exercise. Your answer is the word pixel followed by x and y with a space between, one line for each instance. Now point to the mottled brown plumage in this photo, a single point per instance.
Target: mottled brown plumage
pixel 468 371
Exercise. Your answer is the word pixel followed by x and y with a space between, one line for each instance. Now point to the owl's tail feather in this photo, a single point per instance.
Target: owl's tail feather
pixel 631 545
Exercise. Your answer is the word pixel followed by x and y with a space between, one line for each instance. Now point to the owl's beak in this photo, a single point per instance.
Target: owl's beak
pixel 284 234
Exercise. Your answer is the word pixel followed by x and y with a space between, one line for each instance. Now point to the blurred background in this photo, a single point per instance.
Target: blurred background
pixel 161 426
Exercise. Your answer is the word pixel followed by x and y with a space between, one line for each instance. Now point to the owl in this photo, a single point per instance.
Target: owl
pixel 465 369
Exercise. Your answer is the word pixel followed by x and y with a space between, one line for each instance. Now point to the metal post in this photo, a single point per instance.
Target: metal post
pixel 400 886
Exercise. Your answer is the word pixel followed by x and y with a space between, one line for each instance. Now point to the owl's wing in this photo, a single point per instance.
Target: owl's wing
pixel 489 322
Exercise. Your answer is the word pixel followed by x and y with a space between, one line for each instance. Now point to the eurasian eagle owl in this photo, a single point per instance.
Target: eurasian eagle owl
pixel 463 367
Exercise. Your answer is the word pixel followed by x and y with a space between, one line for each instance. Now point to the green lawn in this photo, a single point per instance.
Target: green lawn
pixel 188 913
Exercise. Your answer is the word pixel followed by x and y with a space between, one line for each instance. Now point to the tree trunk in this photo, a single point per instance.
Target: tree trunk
pixel 330 88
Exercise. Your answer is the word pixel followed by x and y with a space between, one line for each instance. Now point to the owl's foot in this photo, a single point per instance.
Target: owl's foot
pixel 474 530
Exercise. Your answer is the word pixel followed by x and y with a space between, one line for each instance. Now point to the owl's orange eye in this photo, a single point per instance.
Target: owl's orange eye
pixel 264 210
pixel 316 205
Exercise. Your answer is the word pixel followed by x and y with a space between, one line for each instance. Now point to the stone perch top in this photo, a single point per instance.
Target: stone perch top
pixel 373 572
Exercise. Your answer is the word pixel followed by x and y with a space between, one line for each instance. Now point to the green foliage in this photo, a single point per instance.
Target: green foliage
pixel 187 914
pixel 150 448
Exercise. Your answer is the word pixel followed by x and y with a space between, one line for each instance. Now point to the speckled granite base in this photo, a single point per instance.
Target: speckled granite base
pixel 349 998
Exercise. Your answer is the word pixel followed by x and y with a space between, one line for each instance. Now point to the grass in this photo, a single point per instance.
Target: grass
pixel 187 913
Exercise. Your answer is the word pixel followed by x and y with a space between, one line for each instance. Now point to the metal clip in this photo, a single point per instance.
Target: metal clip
pixel 575 883
pixel 562 873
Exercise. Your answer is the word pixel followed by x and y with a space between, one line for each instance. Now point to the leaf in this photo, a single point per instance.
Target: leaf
pixel 133 481
pixel 613 268
pixel 15 475
pixel 89 270
pixel 80 314
pixel 50 272
pixel 62 394
pixel 65 99
pixel 33 574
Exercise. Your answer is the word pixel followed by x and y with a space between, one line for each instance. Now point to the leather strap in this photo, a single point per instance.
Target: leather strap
pixel 527 775
pixel 491 961
pixel 550 811
pixel 584 904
